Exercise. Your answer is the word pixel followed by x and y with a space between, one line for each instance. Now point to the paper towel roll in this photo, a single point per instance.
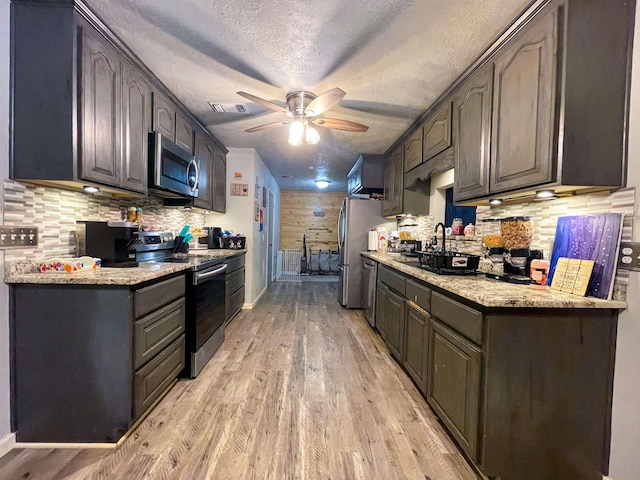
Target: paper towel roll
pixel 372 244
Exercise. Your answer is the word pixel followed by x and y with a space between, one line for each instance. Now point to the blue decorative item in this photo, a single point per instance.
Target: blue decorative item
pixel 590 237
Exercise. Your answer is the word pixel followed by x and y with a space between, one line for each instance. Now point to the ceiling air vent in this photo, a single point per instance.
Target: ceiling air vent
pixel 222 107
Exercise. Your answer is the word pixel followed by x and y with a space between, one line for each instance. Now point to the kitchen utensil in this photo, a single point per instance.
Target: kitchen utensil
pixel 184 231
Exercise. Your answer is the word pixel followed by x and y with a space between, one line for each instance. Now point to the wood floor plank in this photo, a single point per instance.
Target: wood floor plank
pixel 301 389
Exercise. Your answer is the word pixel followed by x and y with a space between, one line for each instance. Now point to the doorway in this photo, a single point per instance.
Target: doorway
pixel 271 235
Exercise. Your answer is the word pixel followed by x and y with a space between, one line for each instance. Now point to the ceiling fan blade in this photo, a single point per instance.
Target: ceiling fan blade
pixel 324 102
pixel 266 103
pixel 338 124
pixel 266 126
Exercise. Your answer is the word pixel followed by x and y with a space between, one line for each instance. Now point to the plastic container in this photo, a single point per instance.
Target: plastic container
pixel 539 271
pixel 470 230
pixel 131 214
pixel 516 232
pixel 490 231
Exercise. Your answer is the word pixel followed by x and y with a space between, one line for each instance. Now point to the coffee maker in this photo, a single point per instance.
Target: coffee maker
pixel 113 242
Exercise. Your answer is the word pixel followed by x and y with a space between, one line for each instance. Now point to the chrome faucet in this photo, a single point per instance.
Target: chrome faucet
pixel 444 235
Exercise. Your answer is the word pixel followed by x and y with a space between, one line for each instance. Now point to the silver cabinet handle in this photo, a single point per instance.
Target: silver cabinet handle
pixel 212 273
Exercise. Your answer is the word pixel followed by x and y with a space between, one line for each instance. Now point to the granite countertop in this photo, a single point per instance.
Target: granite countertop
pixel 493 293
pixel 27 272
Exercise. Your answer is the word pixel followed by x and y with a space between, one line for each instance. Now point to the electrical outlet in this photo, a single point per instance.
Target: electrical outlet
pixel 18 236
pixel 629 256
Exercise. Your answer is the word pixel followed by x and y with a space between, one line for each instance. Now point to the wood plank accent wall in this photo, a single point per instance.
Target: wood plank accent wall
pixel 297 219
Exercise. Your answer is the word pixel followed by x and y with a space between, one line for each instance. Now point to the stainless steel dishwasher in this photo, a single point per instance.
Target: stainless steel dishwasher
pixel 369 273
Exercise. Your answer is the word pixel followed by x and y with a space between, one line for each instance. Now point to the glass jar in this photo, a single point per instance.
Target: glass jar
pixel 457 227
pixel 131 214
pixel 490 231
pixel 517 232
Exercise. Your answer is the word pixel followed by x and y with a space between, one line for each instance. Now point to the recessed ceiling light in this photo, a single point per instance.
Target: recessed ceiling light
pixel 90 189
pixel 495 201
pixel 322 183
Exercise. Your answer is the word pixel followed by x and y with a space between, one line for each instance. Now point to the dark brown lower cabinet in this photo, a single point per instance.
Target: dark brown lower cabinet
pixel 382 292
pixel 416 344
pixel 395 313
pixel 525 392
pixel 453 389
pixel 90 359
pixel 234 287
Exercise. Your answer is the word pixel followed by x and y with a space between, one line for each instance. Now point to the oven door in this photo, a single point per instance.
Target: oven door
pixel 209 295
pixel 174 170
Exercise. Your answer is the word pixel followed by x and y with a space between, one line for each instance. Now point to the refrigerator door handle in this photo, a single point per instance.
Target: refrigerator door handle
pixel 340 230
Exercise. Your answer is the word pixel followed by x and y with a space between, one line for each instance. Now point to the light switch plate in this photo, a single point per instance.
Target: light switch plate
pixel 18 236
pixel 629 256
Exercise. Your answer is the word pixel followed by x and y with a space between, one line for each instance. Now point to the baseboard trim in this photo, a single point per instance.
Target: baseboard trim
pixel 249 306
pixel 7 443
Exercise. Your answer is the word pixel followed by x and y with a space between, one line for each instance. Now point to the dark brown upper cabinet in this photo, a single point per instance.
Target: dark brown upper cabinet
pixel 70 73
pixel 436 133
pixel 101 155
pixel 413 151
pixel 366 175
pixel 164 116
pixel 472 130
pixel 559 105
pixel 136 111
pixel 204 155
pixel 219 181
pixel 184 133
pixel 524 100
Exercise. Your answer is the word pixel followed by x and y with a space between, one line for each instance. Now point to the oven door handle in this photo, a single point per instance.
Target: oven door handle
pixel 198 278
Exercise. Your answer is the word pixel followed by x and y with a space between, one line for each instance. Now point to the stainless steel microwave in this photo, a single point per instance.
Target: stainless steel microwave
pixel 173 171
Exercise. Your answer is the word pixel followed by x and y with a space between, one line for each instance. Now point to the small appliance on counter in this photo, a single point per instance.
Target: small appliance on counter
pixel 214 238
pixel 113 242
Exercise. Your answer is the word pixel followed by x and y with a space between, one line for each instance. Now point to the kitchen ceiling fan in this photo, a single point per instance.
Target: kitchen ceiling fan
pixel 305 108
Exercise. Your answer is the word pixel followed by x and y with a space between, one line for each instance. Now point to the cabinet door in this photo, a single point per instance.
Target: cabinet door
pixel 472 126
pixel 413 151
pixel 382 299
pixel 204 156
pixel 397 181
pixel 387 204
pixel 164 116
pixel 136 110
pixel 184 133
pixel 436 133
pixel 219 181
pixel 417 344
pixel 101 105
pixel 524 108
pixel 394 312
pixel 453 386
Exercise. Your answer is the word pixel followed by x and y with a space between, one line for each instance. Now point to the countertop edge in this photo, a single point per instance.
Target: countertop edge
pixel 511 296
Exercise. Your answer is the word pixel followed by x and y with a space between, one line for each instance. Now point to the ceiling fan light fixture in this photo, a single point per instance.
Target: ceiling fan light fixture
pixel 312 136
pixel 296 131
pixel 322 183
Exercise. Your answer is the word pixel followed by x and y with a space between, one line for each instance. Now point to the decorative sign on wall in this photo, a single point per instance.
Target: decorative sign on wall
pixel 318 212
pixel 261 226
pixel 257 209
pixel 239 189
pixel 237 175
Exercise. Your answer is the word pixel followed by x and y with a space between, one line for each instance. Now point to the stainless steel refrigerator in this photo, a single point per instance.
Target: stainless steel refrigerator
pixel 357 217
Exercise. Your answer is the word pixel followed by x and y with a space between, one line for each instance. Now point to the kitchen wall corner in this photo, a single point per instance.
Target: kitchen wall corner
pixel 6 438
pixel 240 217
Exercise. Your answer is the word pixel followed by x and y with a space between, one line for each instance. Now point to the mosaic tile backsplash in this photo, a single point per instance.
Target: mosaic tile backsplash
pixel 55 212
pixel 544 215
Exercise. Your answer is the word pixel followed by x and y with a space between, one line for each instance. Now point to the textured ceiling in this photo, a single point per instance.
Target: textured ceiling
pixel 392 57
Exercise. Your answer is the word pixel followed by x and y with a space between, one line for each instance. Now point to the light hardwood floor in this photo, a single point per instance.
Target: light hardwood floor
pixel 300 389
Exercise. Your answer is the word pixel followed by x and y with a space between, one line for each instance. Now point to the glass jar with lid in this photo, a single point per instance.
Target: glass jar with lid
pixel 517 233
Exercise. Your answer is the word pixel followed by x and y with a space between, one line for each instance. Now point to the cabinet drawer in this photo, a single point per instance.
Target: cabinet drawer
pixel 154 378
pixel 155 296
pixel 157 330
pixel 235 280
pixel 461 318
pixel 235 263
pixel 419 294
pixel 236 300
pixel 392 279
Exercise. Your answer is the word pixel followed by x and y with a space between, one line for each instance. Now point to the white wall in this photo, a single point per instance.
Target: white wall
pixel 240 217
pixel 625 425
pixel 6 439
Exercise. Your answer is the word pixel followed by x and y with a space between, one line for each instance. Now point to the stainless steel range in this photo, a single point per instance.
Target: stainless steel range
pixel 205 296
